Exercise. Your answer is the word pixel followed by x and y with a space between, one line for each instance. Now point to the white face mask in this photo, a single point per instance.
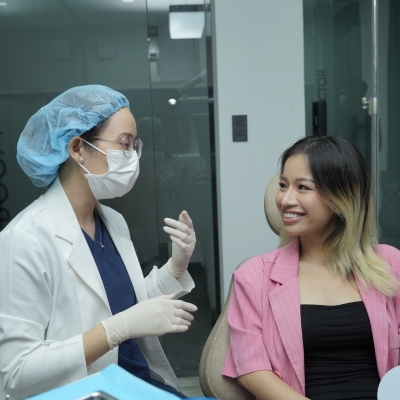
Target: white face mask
pixel 120 177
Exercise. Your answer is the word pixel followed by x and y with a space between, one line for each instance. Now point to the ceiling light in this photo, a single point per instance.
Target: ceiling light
pixel 128 1
pixel 172 102
pixel 3 3
pixel 186 21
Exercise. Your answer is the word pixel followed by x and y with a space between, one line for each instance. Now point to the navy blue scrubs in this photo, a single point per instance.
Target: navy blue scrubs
pixel 121 295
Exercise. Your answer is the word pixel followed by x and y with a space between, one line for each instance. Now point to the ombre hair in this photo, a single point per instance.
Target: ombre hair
pixel 341 177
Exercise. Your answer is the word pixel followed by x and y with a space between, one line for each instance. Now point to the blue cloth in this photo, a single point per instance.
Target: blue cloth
pixel 121 295
pixel 114 381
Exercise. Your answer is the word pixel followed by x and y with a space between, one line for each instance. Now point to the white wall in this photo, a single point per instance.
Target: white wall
pixel 258 71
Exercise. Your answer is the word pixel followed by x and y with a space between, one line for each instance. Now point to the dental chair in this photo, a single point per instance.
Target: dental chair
pixel 212 382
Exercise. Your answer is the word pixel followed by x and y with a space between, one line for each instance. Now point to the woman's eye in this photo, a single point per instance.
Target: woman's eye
pixel 282 185
pixel 304 187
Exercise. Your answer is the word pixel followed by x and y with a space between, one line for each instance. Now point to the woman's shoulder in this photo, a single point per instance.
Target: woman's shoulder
pixel 28 217
pixel 261 265
pixel 390 254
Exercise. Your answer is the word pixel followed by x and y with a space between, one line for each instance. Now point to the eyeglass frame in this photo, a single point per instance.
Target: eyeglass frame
pixel 135 144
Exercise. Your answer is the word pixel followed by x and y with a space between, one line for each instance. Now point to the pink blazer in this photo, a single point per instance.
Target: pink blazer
pixel 265 323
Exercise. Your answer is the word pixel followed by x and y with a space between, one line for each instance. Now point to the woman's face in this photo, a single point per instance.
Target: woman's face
pixel 120 123
pixel 303 210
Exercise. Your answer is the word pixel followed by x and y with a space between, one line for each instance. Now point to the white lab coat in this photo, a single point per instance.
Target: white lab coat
pixel 51 292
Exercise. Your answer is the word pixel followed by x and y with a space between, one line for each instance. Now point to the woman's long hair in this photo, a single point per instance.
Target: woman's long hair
pixel 341 177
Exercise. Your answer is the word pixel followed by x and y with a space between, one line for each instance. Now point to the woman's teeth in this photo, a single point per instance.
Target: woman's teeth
pixel 291 215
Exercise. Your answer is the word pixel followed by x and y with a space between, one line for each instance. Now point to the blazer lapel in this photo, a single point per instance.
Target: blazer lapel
pixel 127 252
pixel 285 305
pixel 71 240
pixel 375 303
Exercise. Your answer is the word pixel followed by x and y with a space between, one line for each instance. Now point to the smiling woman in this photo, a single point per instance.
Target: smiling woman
pixel 319 317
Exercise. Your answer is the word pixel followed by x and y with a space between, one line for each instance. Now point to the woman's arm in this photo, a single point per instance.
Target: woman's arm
pixel 95 344
pixel 30 363
pixel 265 385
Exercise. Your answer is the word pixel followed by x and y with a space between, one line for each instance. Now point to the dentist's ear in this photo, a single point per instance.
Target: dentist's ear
pixel 76 149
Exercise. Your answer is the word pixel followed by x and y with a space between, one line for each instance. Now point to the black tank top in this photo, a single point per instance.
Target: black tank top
pixel 339 354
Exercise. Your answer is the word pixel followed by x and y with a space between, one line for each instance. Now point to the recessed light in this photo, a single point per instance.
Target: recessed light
pixel 128 1
pixel 172 102
pixel 3 3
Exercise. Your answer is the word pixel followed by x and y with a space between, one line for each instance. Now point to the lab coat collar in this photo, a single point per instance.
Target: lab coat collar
pixel 78 254
pixel 75 249
pixel 65 222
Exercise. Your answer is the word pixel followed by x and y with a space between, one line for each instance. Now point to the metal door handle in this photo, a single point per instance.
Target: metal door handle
pixel 371 105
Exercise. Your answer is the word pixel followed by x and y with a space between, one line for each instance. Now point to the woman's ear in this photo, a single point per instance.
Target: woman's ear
pixel 75 147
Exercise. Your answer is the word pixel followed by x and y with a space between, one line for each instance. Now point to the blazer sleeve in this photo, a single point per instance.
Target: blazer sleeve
pixel 393 260
pixel 246 352
pixel 30 364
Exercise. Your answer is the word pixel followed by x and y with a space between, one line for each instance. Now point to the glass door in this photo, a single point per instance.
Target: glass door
pixel 347 95
pixel 389 120
pixel 179 144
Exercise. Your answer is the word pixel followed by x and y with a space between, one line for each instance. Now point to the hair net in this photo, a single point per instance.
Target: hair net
pixel 43 144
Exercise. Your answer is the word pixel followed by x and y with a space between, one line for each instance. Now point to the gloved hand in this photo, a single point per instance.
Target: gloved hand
pixel 153 317
pixel 183 242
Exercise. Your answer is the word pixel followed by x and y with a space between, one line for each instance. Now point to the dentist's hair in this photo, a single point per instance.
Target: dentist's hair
pixel 341 177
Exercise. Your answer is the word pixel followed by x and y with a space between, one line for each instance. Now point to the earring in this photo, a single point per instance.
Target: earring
pixel 80 160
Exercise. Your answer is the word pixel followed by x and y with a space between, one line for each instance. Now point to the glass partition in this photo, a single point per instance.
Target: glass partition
pixel 338 51
pixel 48 46
pixel 389 120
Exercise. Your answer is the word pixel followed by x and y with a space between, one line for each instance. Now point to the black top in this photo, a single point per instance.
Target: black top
pixel 339 353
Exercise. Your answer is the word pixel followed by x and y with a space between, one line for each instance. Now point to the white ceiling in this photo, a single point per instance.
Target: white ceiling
pixel 34 13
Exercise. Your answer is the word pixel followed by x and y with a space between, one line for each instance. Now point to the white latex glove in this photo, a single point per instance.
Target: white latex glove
pixel 183 242
pixel 153 317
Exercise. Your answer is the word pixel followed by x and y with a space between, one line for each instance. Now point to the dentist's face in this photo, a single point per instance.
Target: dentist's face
pixel 303 210
pixel 119 124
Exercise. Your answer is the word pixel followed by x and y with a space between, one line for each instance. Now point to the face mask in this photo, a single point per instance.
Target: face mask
pixel 118 180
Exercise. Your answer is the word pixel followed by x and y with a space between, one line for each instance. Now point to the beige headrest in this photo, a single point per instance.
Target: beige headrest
pixel 271 211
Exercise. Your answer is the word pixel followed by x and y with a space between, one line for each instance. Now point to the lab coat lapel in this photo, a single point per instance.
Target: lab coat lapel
pixel 82 262
pixel 375 303
pixel 71 240
pixel 285 305
pixel 127 252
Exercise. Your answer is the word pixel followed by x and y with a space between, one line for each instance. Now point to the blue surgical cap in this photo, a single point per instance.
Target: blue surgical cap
pixel 43 144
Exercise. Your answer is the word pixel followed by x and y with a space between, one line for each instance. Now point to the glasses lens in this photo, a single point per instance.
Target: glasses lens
pixel 138 147
pixel 127 145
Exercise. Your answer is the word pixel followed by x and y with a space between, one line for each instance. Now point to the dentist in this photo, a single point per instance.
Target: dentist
pixel 73 298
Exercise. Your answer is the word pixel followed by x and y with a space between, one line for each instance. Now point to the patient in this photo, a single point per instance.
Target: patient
pixel 319 317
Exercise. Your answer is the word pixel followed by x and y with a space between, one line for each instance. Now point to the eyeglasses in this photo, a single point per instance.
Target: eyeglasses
pixel 128 144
